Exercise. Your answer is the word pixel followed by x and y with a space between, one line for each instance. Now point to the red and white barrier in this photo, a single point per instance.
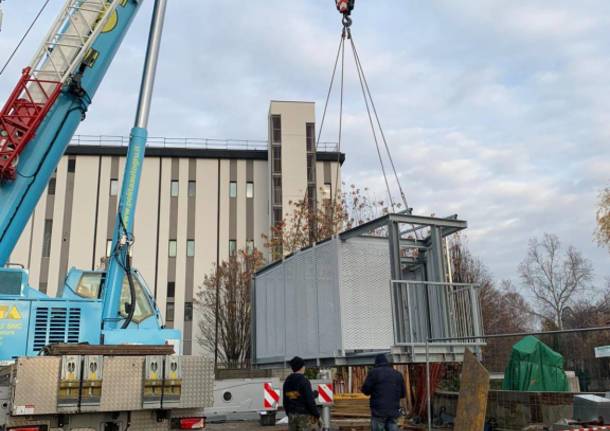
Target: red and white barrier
pixel 271 397
pixel 326 394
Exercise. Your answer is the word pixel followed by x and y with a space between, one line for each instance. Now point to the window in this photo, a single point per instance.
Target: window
pixel 71 165
pixel 249 190
pixel 174 188
pixel 172 248
pixel 232 189
pixel 192 189
pixel 250 246
pixel 89 285
pixel 51 189
pixel 46 238
pixel 277 191
pixel 10 282
pixel 310 132
pixel 232 247
pixel 311 197
pixel 327 190
pixel 276 153
pixel 311 168
pixel 188 311
pixel 277 215
pixel 143 307
pixel 169 312
pixel 276 129
pixel 114 187
pixel 171 289
pixel 190 248
pixel 108 247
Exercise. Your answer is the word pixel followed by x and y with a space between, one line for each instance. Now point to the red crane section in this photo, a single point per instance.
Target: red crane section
pixel 23 112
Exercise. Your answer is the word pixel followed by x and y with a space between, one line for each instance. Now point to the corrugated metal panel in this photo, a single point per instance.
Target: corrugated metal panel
pixel 297 306
pixel 301 308
pixel 366 311
pixel 270 313
pixel 327 275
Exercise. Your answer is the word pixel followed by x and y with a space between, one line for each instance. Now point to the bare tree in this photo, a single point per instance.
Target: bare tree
pixel 224 302
pixel 554 278
pixel 308 224
pixel 603 218
pixel 503 308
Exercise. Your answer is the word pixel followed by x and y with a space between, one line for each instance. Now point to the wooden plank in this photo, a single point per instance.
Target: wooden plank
pixel 472 401
pixel 409 400
pixel 107 350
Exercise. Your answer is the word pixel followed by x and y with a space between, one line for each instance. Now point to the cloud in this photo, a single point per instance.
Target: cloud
pixel 494 110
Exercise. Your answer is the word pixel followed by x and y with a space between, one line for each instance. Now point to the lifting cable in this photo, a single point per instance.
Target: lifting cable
pixel 345 7
pixel 27 32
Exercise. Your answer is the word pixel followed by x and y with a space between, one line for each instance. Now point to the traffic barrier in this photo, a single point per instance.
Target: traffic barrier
pixel 325 394
pixel 271 399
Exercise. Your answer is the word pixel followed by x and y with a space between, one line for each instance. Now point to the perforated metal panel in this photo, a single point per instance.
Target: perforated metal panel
pixel 366 306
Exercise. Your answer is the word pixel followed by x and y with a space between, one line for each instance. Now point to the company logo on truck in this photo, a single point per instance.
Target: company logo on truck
pixel 9 312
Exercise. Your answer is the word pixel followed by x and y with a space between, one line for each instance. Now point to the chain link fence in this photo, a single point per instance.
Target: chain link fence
pixel 514 409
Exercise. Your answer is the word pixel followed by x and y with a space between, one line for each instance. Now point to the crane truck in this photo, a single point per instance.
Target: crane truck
pixel 97 355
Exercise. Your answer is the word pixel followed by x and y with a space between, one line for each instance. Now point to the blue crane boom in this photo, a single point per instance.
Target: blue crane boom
pixel 49 103
pixel 36 125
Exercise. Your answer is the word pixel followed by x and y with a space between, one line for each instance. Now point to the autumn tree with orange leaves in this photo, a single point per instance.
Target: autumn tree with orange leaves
pixel 308 224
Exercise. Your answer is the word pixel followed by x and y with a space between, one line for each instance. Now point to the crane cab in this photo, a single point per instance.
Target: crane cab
pixel 30 320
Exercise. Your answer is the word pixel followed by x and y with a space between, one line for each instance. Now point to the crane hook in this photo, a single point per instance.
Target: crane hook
pixel 345 7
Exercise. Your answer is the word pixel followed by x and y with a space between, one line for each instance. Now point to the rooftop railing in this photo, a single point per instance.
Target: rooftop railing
pixel 188 143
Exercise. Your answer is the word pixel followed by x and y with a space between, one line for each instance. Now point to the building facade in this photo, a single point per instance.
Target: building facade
pixel 199 201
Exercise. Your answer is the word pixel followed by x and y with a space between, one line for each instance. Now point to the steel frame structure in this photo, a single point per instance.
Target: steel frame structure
pixel 421 293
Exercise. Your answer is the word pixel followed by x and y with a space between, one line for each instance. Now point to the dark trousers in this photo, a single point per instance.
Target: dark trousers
pixel 383 424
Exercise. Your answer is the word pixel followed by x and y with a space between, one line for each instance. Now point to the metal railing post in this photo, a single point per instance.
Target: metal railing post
pixel 326 418
pixel 474 309
pixel 428 395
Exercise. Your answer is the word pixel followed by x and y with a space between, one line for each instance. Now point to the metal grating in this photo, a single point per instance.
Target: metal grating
pixel 56 325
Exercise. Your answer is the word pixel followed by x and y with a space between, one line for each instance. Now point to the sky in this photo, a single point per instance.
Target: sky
pixel 497 111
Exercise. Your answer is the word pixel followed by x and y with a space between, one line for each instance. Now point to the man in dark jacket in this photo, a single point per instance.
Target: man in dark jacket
pixel 299 402
pixel 386 387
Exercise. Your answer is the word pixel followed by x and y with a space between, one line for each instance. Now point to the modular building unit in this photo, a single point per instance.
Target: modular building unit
pixel 346 299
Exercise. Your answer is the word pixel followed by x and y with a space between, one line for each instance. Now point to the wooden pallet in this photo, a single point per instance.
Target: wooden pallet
pixel 351 408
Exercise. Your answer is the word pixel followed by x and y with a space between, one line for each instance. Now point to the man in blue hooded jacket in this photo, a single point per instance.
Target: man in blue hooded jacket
pixel 386 387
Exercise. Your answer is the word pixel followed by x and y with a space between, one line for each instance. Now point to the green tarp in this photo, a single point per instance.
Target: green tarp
pixel 535 367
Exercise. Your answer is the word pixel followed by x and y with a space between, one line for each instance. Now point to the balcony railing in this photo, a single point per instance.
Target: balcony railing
pixel 427 310
pixel 193 143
